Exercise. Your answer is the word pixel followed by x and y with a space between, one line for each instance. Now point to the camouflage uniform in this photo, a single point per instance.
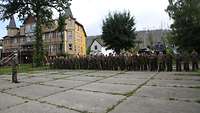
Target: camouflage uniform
pixel 186 60
pixel 151 62
pixel 160 62
pixel 14 71
pixel 178 62
pixel 194 58
pixel 169 62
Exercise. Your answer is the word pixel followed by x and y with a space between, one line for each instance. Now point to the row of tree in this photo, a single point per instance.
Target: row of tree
pixel 118 28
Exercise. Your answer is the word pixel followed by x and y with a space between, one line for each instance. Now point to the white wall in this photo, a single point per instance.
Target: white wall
pixel 93 50
pixel 99 50
pixel 106 52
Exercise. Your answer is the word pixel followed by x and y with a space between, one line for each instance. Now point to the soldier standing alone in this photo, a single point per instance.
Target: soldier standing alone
pixel 14 70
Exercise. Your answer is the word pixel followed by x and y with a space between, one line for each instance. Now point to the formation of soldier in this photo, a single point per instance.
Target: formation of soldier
pixel 131 62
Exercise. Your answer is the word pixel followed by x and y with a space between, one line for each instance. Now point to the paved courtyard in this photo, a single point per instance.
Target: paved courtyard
pixel 83 91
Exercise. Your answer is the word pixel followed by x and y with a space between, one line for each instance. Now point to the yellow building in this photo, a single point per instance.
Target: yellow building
pixel 22 39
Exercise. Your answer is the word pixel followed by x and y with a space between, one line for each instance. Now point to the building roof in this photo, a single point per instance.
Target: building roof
pixel 68 13
pixel 155 34
pixel 141 36
pixel 12 23
pixel 91 39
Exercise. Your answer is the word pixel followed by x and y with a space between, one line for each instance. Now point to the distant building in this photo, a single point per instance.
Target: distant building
pixel 154 38
pixel 151 38
pixel 21 39
pixel 97 46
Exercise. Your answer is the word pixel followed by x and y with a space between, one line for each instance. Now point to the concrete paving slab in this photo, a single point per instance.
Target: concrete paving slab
pixel 9 101
pixel 57 76
pixel 5 76
pixel 125 81
pixel 34 91
pixel 67 84
pixel 109 88
pixel 177 76
pixel 36 107
pixel 9 78
pixel 174 83
pixel 84 78
pixel 84 101
pixel 135 76
pixel 169 93
pixel 36 74
pixel 139 72
pixel 36 79
pixel 150 105
pixel 74 73
pixel 5 84
pixel 102 73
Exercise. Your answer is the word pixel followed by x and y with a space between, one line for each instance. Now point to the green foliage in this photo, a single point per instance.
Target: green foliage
pixel 88 51
pixel 41 9
pixel 169 39
pixel 38 57
pixel 119 31
pixel 61 27
pixel 24 68
pixel 186 25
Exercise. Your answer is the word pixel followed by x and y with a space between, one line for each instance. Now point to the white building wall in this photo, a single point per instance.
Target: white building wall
pixel 106 52
pixel 97 49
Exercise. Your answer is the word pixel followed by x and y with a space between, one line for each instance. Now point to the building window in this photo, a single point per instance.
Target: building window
pixel 43 36
pixel 28 39
pixel 69 36
pixel 95 47
pixel 27 28
pixel 70 23
pixel 15 41
pixel 70 46
pixel 21 40
pixel 33 28
pixel 58 34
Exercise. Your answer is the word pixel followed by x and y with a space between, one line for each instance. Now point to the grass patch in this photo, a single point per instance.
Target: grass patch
pixel 113 107
pixel 23 68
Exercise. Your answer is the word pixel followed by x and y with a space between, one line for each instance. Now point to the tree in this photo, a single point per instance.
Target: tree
pixel 186 25
pixel 119 31
pixel 42 10
pixel 169 39
pixel 61 27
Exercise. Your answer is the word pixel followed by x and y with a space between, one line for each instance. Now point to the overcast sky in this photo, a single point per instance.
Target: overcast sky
pixel 149 14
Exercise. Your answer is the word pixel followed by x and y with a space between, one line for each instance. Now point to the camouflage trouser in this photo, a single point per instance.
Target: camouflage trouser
pixel 178 66
pixel 161 67
pixel 186 67
pixel 169 66
pixel 195 66
pixel 14 76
